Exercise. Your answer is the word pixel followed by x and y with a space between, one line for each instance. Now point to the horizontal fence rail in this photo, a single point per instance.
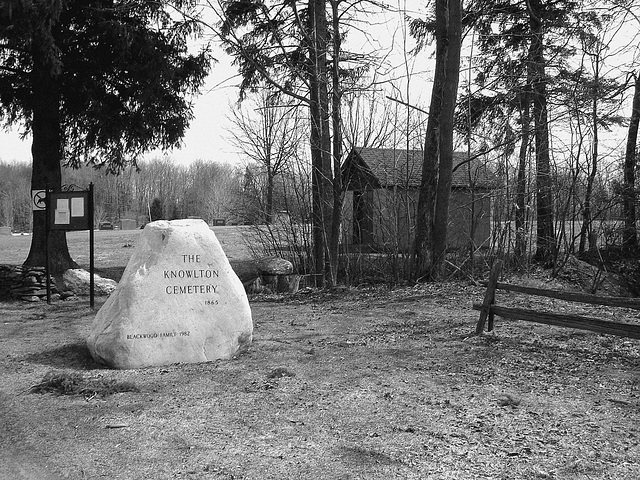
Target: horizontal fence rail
pixel 623 302
pixel 488 309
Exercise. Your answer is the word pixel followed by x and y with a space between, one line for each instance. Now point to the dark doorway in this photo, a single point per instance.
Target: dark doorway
pixel 362 218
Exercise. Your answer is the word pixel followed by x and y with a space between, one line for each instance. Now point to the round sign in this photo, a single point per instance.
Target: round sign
pixel 39 199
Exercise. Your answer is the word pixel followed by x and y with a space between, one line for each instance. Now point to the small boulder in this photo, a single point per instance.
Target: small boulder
pixel 276 275
pixel 275 266
pixel 77 280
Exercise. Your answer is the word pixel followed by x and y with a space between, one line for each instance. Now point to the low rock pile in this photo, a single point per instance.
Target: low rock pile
pixel 24 283
pixel 30 284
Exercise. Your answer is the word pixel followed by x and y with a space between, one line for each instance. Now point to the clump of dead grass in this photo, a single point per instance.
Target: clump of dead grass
pixel 75 383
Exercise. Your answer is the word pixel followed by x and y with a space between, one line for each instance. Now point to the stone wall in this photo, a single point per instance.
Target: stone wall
pixel 24 283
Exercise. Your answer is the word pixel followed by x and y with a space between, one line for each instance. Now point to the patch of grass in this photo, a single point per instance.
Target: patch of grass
pixel 74 383
pixel 280 372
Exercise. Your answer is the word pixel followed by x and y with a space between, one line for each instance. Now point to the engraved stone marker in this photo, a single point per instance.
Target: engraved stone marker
pixel 178 301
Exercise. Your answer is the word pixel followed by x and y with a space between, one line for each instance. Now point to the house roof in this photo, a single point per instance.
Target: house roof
pixel 388 167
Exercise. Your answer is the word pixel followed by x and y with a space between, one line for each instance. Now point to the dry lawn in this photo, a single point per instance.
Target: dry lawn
pixel 369 383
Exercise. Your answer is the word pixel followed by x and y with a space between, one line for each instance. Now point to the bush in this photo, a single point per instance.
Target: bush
pixel 74 383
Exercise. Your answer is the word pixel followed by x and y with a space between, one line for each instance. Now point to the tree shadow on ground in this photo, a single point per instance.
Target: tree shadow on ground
pixel 74 356
pixel 114 273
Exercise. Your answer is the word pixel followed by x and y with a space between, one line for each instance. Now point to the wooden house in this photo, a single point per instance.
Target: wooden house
pixel 382 197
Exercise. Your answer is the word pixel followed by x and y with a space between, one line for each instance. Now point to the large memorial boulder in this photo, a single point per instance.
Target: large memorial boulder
pixel 178 301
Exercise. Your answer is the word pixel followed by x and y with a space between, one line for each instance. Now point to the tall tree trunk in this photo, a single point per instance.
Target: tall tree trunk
pixel 545 235
pixel 629 236
pixel 268 214
pixel 320 139
pixel 423 247
pixel 585 229
pixel 46 150
pixel 452 38
pixel 336 101
pixel 521 181
pixel 435 189
pixel 317 224
pixel 268 162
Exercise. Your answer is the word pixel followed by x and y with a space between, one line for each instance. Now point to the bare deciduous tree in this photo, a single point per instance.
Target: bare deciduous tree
pixel 267 133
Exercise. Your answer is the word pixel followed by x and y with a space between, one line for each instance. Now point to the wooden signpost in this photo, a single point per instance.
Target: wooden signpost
pixel 71 210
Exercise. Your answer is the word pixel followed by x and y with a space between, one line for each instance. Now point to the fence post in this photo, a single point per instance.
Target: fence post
pixel 489 298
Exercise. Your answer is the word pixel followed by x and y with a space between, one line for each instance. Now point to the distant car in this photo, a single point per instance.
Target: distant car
pixel 105 226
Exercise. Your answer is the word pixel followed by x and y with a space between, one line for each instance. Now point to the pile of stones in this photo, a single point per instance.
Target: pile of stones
pixel 30 284
pixel 24 283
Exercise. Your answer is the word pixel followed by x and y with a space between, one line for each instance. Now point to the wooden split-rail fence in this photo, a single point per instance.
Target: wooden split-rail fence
pixel 488 309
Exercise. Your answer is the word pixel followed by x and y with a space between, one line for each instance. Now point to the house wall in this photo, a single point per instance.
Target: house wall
pixel 393 214
pixel 461 215
pixel 395 222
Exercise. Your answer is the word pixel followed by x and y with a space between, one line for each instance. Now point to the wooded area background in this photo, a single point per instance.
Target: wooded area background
pixel 548 93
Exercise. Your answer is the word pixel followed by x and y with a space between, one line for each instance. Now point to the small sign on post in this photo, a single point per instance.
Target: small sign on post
pixel 38 199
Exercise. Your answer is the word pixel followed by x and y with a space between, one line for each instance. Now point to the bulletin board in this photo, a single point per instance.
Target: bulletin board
pixel 69 211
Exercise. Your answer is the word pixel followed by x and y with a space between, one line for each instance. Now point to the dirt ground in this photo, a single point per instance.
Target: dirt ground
pixel 367 383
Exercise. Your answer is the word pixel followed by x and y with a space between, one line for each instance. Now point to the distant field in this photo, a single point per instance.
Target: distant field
pixel 113 248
